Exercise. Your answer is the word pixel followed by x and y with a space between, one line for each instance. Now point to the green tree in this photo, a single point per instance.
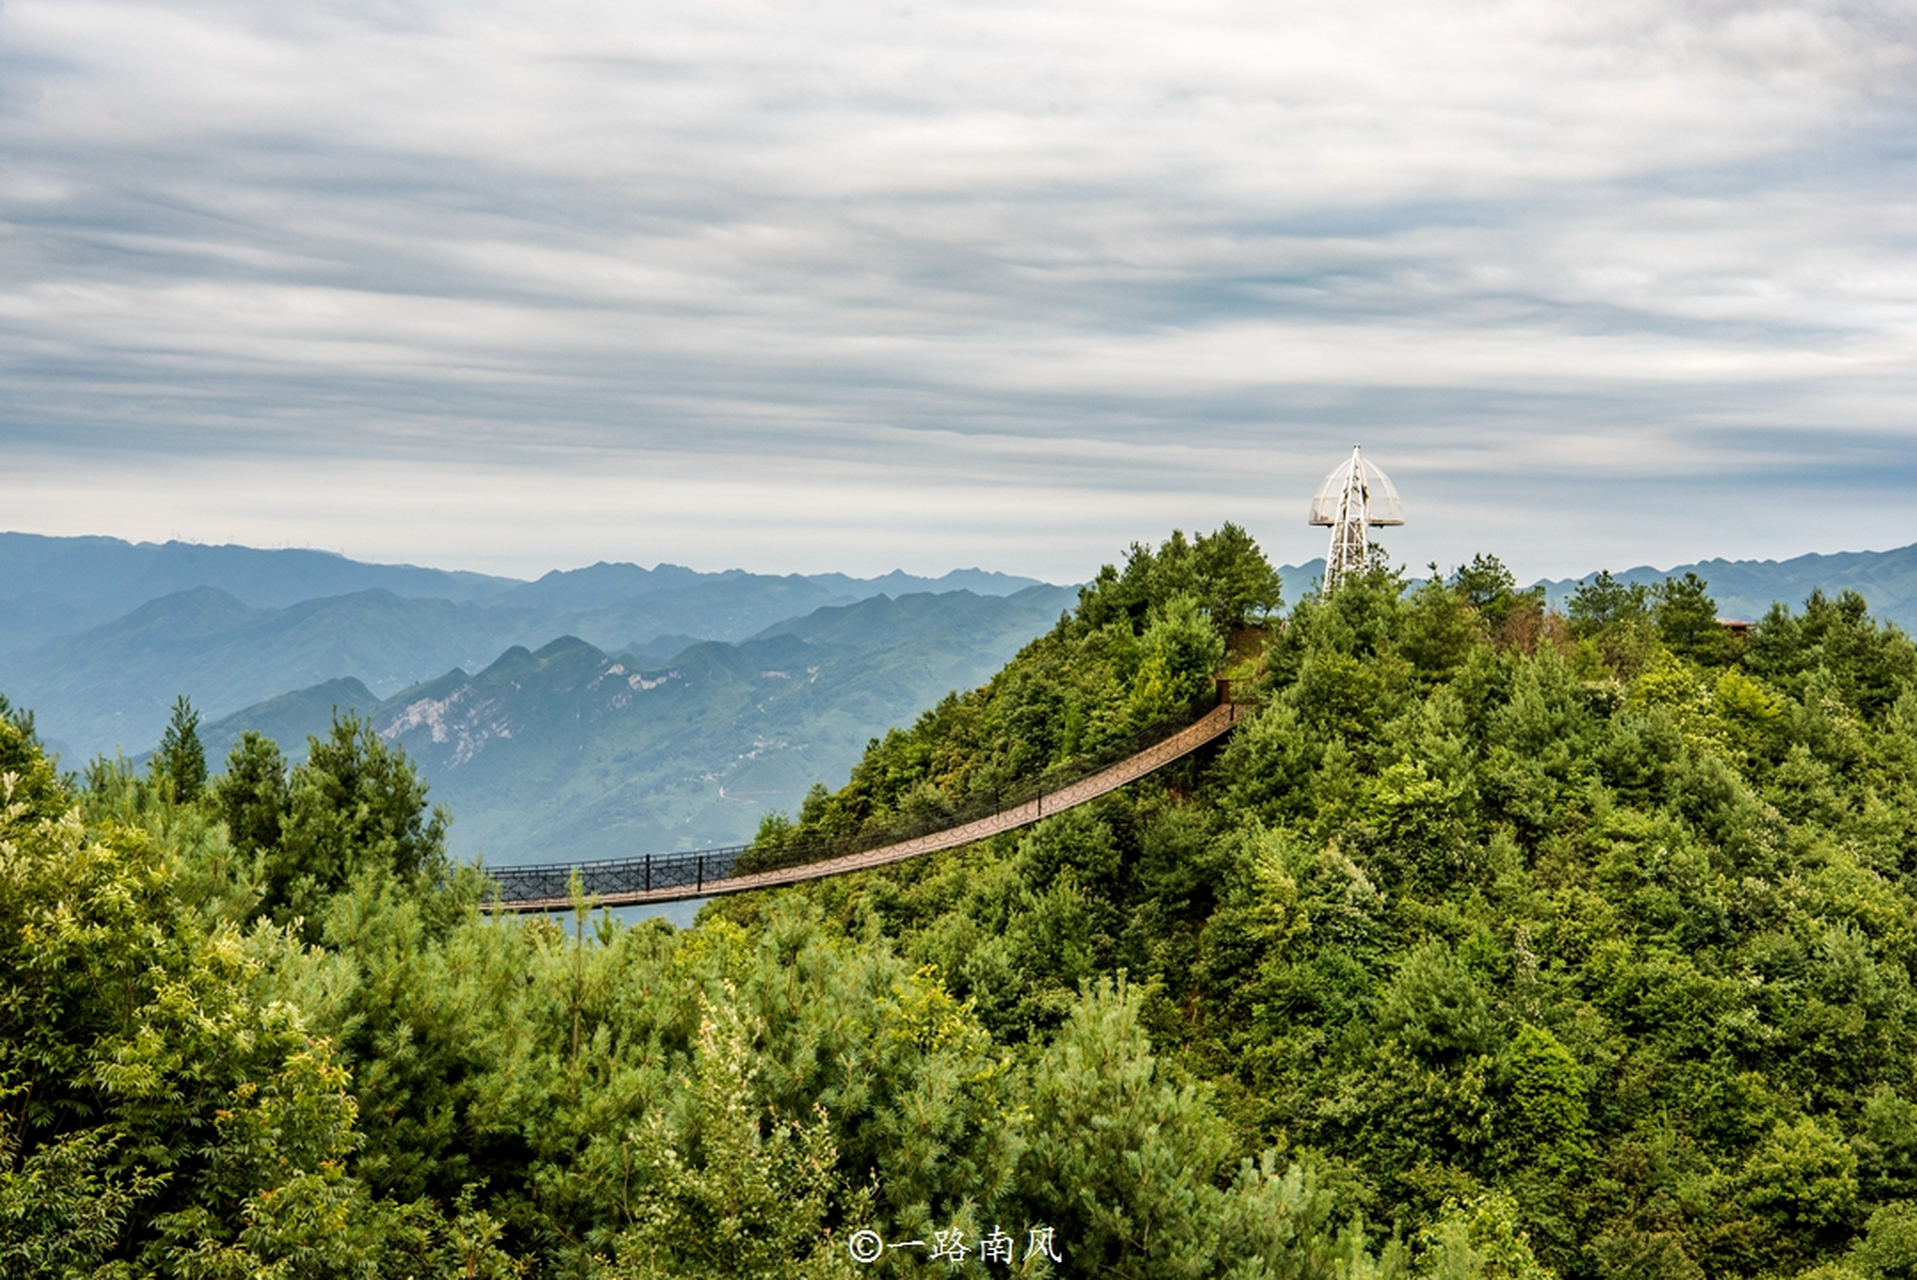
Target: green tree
pixel 1180 652
pixel 20 718
pixel 1867 664
pixel 1601 603
pixel 1800 1183
pixel 1492 592
pixel 36 784
pixel 1484 583
pixel 1439 630
pixel 65 1208
pixel 156 1116
pixel 1239 584
pixel 1888 1250
pixel 1434 1007
pixel 722 1194
pixel 1124 1153
pixel 1686 619
pixel 1224 571
pixel 353 806
pixel 1545 1120
pixel 181 760
pixel 253 794
pixel 1478 1240
pixel 1133 1168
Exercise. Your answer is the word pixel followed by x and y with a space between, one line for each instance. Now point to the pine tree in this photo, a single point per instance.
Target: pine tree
pixel 181 759
pixel 355 804
pixel 253 793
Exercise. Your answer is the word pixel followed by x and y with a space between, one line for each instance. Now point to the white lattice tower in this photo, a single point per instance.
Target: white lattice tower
pixel 1354 499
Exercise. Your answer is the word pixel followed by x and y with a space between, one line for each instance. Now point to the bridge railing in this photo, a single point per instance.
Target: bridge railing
pixel 606 876
pixel 698 868
pixel 984 804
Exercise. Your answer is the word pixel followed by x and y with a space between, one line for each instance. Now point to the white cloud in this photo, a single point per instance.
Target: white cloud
pixel 955 281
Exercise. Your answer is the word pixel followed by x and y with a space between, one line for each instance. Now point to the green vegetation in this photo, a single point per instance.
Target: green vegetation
pixel 1745 588
pixel 1594 931
pixel 1141 645
pixel 1497 944
pixel 181 760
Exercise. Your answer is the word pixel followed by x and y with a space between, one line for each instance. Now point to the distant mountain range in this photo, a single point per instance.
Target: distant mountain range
pixel 568 751
pixel 616 708
pixel 229 626
pixel 1747 588
pixel 56 586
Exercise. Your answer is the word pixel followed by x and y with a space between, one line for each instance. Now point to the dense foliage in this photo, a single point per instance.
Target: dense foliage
pixel 1142 643
pixel 1498 943
pixel 1599 924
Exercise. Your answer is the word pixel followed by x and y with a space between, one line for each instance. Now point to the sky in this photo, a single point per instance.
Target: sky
pixel 810 285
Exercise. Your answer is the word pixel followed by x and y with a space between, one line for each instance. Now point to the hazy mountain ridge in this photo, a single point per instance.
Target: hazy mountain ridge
pixel 569 751
pixel 112 685
pixel 600 584
pixel 604 584
pixel 103 578
pixel 291 717
pixel 884 620
pixel 1747 588
pixel 78 582
pixel 245 634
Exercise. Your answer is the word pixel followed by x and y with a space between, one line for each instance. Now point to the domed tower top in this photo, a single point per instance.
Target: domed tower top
pixel 1355 497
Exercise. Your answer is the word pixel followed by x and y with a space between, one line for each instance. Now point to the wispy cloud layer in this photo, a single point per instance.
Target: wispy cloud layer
pixel 849 284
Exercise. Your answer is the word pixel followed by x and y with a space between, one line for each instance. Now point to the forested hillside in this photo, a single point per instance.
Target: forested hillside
pixel 1497 944
pixel 1599 924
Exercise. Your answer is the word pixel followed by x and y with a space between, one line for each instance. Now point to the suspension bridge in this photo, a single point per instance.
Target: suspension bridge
pixel 677 877
pixel 1354 498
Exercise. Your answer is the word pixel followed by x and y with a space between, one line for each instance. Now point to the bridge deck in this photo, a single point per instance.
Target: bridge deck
pixel 1214 724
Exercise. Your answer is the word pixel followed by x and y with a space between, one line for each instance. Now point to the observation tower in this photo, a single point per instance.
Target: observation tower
pixel 1353 499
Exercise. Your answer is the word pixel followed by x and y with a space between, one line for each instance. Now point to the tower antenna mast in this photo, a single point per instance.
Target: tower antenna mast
pixel 1353 499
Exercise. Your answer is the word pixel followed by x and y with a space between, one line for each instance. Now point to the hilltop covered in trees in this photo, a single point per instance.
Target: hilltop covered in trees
pixel 1498 943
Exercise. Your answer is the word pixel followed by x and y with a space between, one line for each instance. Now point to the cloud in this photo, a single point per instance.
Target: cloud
pixel 807 285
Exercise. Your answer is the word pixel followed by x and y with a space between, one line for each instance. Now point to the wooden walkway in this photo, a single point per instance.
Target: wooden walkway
pixel 1215 724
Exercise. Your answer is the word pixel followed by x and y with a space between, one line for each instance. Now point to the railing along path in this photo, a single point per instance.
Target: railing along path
pixel 676 877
